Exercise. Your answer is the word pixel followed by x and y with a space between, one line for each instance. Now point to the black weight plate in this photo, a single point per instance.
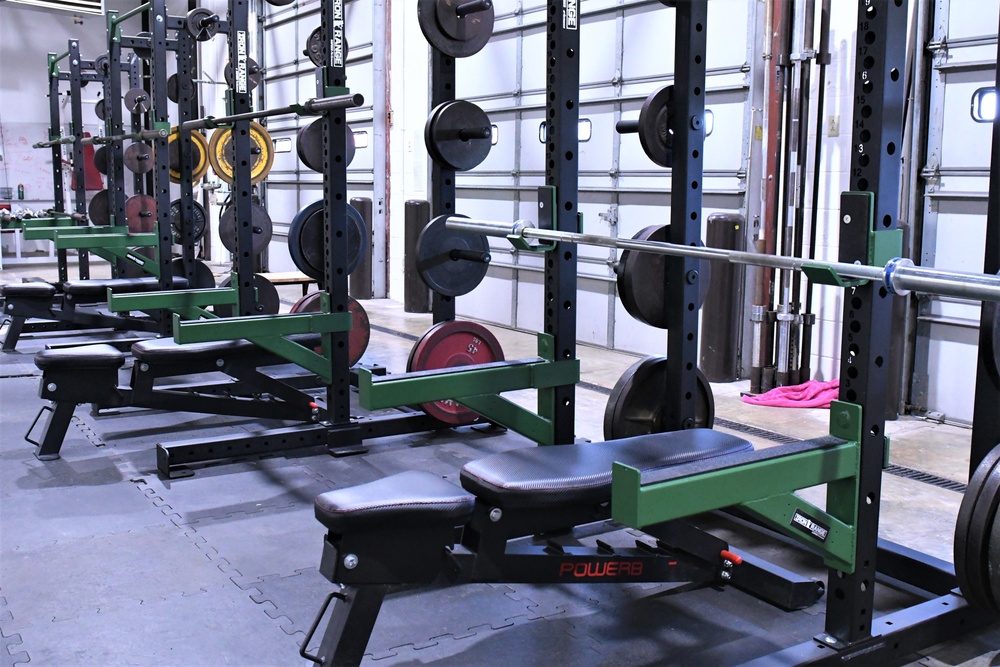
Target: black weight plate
pixel 266 302
pixel 452 135
pixel 138 101
pixel 102 64
pixel 101 159
pixel 991 338
pixel 305 240
pixel 138 158
pixel 254 74
pixel 976 516
pixel 203 276
pixel 436 264
pixel 260 222
pixel 101 110
pixel 642 280
pixel 140 214
pixel 177 86
pixel 133 270
pixel 279 3
pixel 99 209
pixel 309 145
pixel 314 47
pixel 458 38
pixel 199 219
pixel 202 33
pixel 141 51
pixel 993 562
pixel 654 126
pixel 635 406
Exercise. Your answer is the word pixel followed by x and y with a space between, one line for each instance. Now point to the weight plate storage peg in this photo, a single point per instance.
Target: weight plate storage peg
pixel 635 406
pixel 99 209
pixel 138 158
pixel 361 328
pixel 266 301
pixel 140 214
pixel 451 262
pixel 137 101
pixel 199 156
pixel 458 28
pixel 458 135
pixel 653 126
pixel 642 279
pixel 260 224
pixel 101 159
pixel 254 74
pixel 199 226
pixel 305 240
pixel 453 344
pixel 314 47
pixel 221 147
pixel 309 145
pixel 202 23
pixel 976 561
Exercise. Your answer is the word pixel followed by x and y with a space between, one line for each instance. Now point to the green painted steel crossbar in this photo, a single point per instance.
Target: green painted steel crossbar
pixel 86 238
pixel 43 223
pixel 259 326
pixel 763 483
pixel 173 299
pixel 299 355
pixel 502 411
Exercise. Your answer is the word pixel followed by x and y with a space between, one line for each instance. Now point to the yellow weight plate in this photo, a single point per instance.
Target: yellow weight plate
pixel 220 153
pixel 200 148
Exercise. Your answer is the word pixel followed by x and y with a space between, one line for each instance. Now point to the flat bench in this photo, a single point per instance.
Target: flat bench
pixel 290 278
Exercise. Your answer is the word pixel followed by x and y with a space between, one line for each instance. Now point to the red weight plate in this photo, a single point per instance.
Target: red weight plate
pixel 140 214
pixel 361 328
pixel 449 345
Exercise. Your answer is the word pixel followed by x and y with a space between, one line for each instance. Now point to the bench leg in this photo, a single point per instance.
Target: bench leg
pixel 54 431
pixel 14 330
pixel 351 623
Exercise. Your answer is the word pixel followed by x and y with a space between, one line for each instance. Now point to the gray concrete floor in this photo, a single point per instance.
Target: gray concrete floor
pixel 914 513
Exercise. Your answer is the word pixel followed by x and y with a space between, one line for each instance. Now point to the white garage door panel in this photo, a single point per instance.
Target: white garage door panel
pixel 597 37
pixel 501 157
pixel 278 258
pixel 491 300
pixel 533 57
pixel 648 39
pixel 532 150
pixel 729 17
pixel 282 204
pixel 972 19
pixel 963 138
pixel 284 44
pixel 358 19
pixel 530 314
pixel 285 163
pixel 489 71
pixel 484 209
pixel 723 147
pixel 952 368
pixel 596 153
pixel 363 157
pixel 634 336
pixel 959 242
pixel 592 297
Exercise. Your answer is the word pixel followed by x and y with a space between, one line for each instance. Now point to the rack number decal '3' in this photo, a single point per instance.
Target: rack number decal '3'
pixel 337 38
pixel 241 61
pixel 570 14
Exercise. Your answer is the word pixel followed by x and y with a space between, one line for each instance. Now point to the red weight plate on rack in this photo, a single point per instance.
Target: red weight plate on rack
pixel 361 329
pixel 140 214
pixel 450 345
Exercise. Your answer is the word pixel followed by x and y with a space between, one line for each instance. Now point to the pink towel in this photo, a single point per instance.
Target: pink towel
pixel 812 394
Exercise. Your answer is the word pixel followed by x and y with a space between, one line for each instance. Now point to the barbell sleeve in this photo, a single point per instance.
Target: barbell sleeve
pixel 336 102
pixel 899 276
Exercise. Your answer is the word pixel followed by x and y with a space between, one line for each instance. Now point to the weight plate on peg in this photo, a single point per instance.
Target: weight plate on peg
pixel 991 337
pixel 654 126
pixel 220 153
pixel 199 156
pixel 451 262
pixel 203 276
pixel 102 64
pixel 279 3
pixel 305 240
pixel 266 299
pixel 99 209
pixel 140 214
pixel 458 37
pixel 642 279
pixel 202 23
pixel 635 406
pixel 146 53
pixel 453 344
pixel 458 135
pixel 361 328
pixel 132 268
pixel 101 159
pixel 101 109
pixel 138 101
pixel 314 47
pixel 260 223
pixel 977 516
pixel 199 220
pixel 254 74
pixel 309 145
pixel 177 86
pixel 139 158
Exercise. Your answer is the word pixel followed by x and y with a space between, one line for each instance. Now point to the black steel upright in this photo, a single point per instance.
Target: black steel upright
pixel 685 213
pixel 55 132
pixel 76 127
pixel 114 124
pixel 187 107
pixel 562 113
pixel 239 102
pixel 161 121
pixel 442 188
pixel 879 98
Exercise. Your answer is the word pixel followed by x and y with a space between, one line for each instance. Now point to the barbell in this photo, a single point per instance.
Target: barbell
pixel 899 276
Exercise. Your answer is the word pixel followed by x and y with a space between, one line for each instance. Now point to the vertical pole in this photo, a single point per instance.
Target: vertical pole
pixel 186 106
pixel 161 121
pixel 875 168
pixel 562 169
pixel 238 98
pixel 442 190
pixel 55 132
pixel 79 173
pixel 685 213
pixel 114 124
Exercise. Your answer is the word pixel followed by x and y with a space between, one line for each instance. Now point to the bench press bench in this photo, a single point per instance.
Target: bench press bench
pixel 401 531
pixel 72 307
pixel 89 374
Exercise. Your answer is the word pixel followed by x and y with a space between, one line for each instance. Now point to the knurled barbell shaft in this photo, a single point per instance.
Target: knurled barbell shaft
pixel 899 276
pixel 316 105
pixel 474 6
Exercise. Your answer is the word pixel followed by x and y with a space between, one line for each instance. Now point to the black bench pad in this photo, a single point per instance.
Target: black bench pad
pixel 37 290
pixel 541 477
pixel 99 288
pixel 83 357
pixel 166 350
pixel 412 498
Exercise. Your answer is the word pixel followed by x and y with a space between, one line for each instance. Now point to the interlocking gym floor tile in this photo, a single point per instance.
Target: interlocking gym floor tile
pixel 62 581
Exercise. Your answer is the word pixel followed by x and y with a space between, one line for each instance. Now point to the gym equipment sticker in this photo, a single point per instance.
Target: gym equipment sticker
pixel 810 526
pixel 241 61
pixel 337 39
pixel 571 14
